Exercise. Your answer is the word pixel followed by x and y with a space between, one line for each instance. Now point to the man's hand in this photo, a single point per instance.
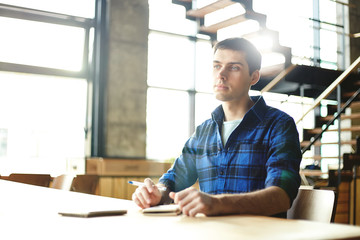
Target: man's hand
pixel 266 202
pixel 192 202
pixel 147 195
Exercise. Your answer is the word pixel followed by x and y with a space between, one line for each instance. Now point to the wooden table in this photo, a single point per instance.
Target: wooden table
pixel 31 212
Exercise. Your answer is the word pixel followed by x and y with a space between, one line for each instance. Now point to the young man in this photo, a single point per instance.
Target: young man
pixel 246 157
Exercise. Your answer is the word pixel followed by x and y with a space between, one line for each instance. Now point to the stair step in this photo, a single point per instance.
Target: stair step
pixel 318 143
pixel 318 157
pixel 351 116
pixel 264 32
pixel 215 27
pixel 348 94
pixel 307 172
pixel 318 130
pixel 232 21
pixel 201 12
pixel 354 104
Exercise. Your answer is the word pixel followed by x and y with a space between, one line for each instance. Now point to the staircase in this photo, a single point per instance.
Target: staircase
pixel 201 14
pixel 320 84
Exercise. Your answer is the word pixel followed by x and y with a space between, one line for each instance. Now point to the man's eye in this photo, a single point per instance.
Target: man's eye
pixel 216 66
pixel 235 68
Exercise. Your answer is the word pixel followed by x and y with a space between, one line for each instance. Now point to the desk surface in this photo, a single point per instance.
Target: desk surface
pixel 31 212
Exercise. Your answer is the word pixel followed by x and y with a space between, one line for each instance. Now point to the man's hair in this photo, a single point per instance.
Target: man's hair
pixel 252 55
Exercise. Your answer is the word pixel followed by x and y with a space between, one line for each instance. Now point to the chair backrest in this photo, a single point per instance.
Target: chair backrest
pixel 33 179
pixel 63 182
pixel 85 183
pixel 313 204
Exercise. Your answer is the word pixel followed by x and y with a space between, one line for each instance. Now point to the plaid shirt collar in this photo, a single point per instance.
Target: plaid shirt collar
pixel 254 115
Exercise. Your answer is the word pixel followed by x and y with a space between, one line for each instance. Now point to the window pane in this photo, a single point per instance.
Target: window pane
pixel 171 61
pixel 81 8
pixel 167 123
pixel 328 36
pixel 41 44
pixel 204 58
pixel 327 11
pixel 3 142
pixel 328 43
pixel 42 123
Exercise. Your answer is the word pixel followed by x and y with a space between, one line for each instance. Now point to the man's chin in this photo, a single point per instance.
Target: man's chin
pixel 220 97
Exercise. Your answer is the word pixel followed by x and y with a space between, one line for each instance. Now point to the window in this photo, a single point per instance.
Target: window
pixel 179 68
pixel 167 122
pixel 46 51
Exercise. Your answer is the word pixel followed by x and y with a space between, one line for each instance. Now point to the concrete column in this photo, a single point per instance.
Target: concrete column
pixel 125 133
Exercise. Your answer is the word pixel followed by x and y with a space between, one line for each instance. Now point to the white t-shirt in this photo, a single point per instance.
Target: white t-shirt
pixel 228 128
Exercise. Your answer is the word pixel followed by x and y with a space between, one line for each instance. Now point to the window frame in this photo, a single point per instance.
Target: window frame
pixel 54 18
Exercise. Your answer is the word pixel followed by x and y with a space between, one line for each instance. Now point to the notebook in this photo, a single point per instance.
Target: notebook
pixel 171 209
pixel 87 214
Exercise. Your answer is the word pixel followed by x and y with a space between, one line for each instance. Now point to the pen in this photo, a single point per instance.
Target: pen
pixel 136 183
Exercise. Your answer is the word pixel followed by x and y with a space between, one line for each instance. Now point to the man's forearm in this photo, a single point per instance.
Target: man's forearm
pixel 266 202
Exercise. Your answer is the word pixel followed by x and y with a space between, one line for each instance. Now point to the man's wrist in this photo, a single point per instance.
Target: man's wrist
pixel 165 199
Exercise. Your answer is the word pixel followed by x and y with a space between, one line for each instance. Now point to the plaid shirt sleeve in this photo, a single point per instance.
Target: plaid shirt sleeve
pixel 284 157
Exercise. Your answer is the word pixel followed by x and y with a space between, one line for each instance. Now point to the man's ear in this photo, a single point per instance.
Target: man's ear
pixel 255 76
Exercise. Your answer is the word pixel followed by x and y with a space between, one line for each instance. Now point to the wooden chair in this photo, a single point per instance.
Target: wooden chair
pixel 33 179
pixel 313 204
pixel 63 182
pixel 85 183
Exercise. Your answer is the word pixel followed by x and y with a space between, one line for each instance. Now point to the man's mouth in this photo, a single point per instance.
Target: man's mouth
pixel 220 87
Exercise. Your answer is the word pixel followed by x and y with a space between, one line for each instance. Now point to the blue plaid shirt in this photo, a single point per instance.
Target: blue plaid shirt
pixel 263 151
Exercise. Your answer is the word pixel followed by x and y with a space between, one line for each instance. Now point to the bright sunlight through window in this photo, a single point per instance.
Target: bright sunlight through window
pixel 43 117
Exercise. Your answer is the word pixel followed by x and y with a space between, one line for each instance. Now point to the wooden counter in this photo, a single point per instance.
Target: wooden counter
pixel 115 173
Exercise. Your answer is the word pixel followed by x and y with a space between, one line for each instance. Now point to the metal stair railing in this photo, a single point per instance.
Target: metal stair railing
pixel 322 96
pixel 331 88
pixel 336 116
pixel 326 93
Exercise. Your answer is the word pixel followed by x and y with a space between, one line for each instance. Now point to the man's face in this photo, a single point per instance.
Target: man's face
pixel 232 80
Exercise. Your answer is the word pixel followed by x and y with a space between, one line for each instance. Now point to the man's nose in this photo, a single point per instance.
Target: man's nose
pixel 221 74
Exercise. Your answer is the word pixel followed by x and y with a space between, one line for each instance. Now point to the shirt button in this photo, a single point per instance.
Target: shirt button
pixel 222 173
